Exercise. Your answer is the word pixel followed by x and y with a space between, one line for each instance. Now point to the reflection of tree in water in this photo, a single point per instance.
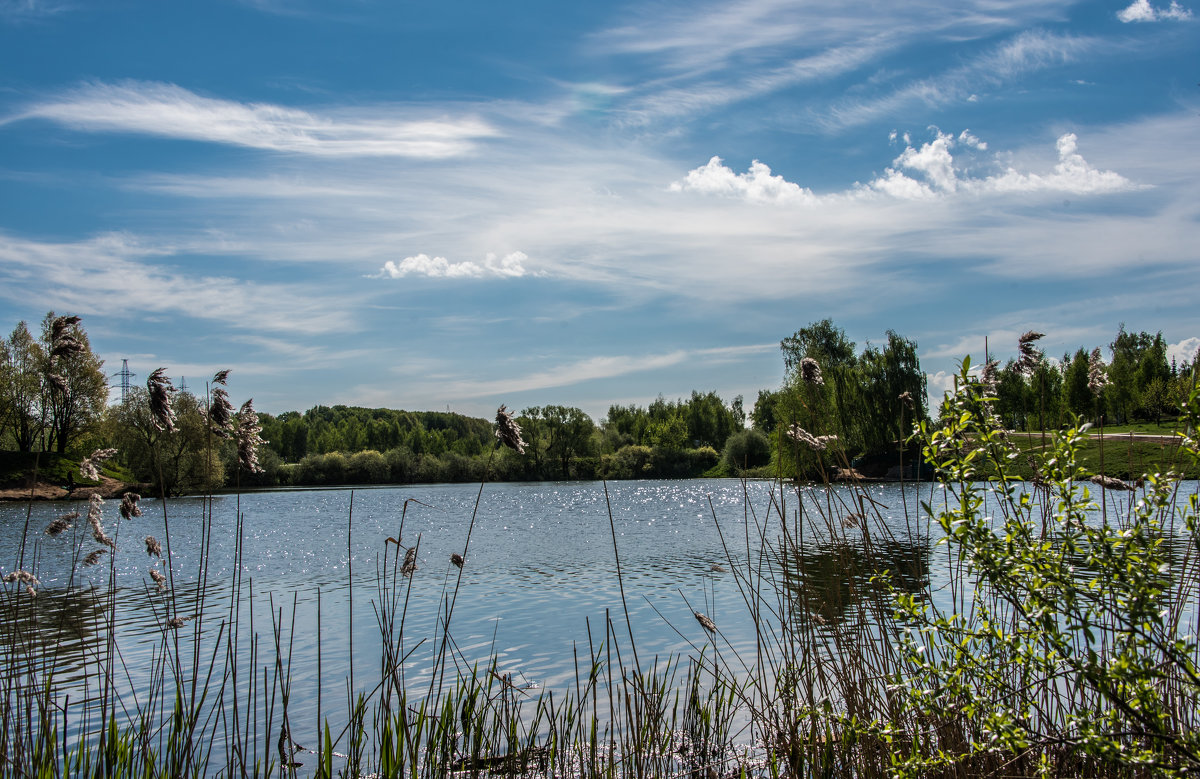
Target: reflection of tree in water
pixel 61 628
pixel 826 582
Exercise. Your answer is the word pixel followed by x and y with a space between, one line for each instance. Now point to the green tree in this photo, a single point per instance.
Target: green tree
pixel 80 402
pixel 24 387
pixel 179 461
pixel 1079 398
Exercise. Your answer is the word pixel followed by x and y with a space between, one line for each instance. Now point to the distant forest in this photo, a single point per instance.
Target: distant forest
pixel 859 404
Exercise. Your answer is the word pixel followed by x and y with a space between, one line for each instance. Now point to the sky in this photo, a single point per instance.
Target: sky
pixel 432 205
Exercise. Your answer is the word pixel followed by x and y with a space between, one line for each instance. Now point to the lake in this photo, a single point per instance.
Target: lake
pixel 305 568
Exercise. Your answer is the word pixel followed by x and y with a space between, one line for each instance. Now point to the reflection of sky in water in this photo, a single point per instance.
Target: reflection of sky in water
pixel 540 571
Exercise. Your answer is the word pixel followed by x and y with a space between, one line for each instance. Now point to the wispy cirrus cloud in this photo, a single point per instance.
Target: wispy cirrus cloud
pixel 25 10
pixel 1024 53
pixel 170 111
pixel 591 368
pixel 1142 11
pixel 115 273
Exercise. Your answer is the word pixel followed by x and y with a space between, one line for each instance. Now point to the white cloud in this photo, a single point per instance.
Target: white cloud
pixel 510 265
pixel 1142 11
pixel 600 367
pixel 1184 351
pixel 929 171
pixel 1025 53
pixel 167 110
pixel 115 273
pixel 756 185
pixel 1072 174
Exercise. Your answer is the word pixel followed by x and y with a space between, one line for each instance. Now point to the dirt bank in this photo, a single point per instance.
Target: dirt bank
pixel 108 488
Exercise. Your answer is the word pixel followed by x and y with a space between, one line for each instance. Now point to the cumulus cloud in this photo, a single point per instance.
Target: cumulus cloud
pixel 756 185
pixel 918 173
pixel 1072 174
pixel 1186 351
pixel 1142 11
pixel 509 266
pixel 167 110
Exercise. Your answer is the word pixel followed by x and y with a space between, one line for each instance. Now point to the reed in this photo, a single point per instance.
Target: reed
pixel 1004 631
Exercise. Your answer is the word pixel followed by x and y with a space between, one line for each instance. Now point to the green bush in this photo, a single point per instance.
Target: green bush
pixel 746 449
pixel 1072 652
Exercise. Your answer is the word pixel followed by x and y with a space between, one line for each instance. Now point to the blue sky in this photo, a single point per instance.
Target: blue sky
pixel 427 205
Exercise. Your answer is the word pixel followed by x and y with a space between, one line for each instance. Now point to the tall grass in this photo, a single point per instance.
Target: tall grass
pixel 1009 628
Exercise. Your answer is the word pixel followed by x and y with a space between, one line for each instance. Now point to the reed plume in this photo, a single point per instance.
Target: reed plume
pixel 989 378
pixel 705 622
pixel 457 559
pixel 89 467
pixel 508 432
pixel 159 579
pixel 220 412
pixel 410 562
pixel 1097 377
pixel 63 342
pixel 22 576
pixel 129 505
pixel 248 439
pixel 62 523
pixel 94 515
pixel 817 443
pixel 57 382
pixel 153 547
pixel 1029 355
pixel 94 557
pixel 160 389
pixel 810 371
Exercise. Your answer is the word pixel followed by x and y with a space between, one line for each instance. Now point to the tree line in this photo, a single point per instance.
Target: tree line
pixel 837 405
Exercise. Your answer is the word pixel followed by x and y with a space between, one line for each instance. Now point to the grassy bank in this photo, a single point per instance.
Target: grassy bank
pixel 1051 633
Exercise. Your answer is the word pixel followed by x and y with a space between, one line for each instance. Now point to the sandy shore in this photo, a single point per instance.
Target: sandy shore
pixel 108 488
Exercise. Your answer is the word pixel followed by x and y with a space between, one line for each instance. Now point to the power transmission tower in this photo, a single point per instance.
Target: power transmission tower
pixel 125 375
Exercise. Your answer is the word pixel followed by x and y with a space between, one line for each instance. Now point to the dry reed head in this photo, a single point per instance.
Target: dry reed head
pixel 220 414
pixel 153 547
pixel 63 342
pixel 853 519
pixel 57 382
pixel 705 622
pixel 221 377
pixel 989 378
pixel 457 559
pixel 61 524
pixel 1097 378
pixel 22 576
pixel 817 443
pixel 94 557
pixel 89 467
pixel 409 567
pixel 810 371
pixel 1029 355
pixel 247 435
pixel 907 399
pixel 160 388
pixel 94 516
pixel 158 578
pixel 508 432
pixel 129 505
pixel 175 622
pixel 1109 483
